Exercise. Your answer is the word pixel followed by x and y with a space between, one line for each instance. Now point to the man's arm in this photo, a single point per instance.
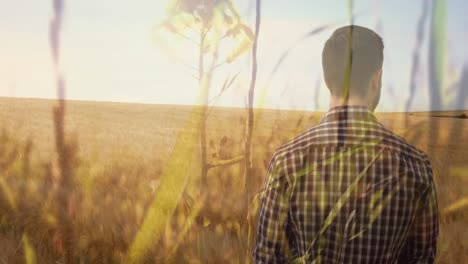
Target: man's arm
pixel 271 239
pixel 421 245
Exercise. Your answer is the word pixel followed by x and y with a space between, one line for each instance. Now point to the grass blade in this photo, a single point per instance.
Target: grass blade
pixel 29 253
pixel 339 204
pixel 416 53
pixel 172 184
pixel 437 53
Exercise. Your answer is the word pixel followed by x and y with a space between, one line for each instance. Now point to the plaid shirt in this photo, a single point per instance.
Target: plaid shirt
pixel 348 191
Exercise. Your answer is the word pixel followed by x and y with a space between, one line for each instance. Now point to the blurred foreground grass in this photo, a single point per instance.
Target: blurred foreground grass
pixel 122 151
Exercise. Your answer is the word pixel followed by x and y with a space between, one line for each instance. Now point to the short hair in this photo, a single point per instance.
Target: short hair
pixel 366 59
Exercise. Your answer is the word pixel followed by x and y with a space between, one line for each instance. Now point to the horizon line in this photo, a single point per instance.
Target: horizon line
pixel 192 105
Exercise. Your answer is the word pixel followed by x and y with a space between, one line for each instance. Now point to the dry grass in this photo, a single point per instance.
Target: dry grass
pixel 122 152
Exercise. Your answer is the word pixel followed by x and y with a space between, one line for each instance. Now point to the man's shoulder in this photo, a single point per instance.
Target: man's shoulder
pixel 295 145
pixel 318 135
pixel 295 149
pixel 401 146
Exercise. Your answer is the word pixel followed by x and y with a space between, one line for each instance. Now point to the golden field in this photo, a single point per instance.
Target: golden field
pixel 121 152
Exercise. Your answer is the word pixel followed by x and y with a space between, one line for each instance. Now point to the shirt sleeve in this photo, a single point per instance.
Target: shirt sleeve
pixel 271 245
pixel 421 245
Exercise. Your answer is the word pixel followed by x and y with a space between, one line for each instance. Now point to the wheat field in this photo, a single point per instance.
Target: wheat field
pixel 120 152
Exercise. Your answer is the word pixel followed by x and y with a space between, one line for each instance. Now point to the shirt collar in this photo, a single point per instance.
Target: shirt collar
pixel 349 112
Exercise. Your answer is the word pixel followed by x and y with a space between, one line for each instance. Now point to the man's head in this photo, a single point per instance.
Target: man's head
pixel 365 71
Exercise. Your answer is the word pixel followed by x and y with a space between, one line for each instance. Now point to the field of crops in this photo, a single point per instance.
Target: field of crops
pixel 117 153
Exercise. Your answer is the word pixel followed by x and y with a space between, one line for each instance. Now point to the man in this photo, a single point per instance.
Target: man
pixel 348 190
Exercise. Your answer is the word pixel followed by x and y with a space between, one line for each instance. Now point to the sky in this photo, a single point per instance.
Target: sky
pixel 109 52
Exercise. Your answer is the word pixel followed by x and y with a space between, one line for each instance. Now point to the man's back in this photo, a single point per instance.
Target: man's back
pixel 348 191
